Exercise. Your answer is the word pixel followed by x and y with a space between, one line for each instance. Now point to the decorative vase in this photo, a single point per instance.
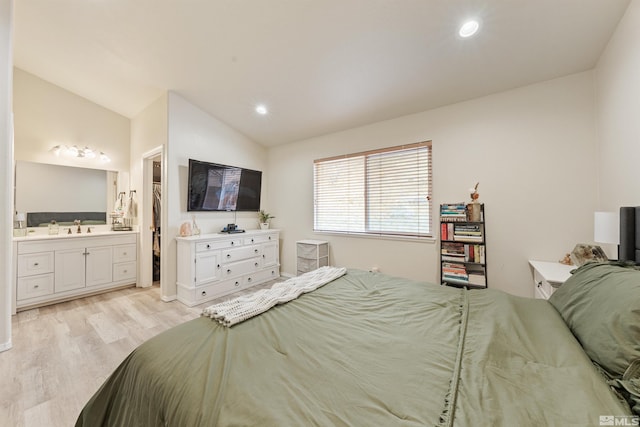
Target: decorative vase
pixel 264 226
pixel 473 212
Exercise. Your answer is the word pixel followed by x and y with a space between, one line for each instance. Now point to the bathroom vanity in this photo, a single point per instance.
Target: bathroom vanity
pixel 55 268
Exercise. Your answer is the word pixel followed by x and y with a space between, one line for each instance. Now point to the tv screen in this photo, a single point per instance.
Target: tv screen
pixel 215 187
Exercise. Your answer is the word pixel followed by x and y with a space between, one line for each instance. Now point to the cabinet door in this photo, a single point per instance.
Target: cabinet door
pixel 69 271
pixel 207 267
pixel 270 254
pixel 99 265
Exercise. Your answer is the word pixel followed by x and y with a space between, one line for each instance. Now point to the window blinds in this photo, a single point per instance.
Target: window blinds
pixel 384 192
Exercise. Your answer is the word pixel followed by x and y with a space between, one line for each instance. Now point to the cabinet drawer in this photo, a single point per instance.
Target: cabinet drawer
pixel 232 255
pixel 543 288
pixel 205 293
pixel 32 264
pixel 123 253
pixel 273 237
pixel 124 271
pixel 260 276
pixel 241 267
pixel 309 251
pixel 34 286
pixel 213 245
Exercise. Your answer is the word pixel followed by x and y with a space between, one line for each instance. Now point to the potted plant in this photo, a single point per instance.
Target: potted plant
pixel 264 218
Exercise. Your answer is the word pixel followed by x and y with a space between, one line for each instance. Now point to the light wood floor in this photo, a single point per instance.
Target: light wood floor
pixel 62 353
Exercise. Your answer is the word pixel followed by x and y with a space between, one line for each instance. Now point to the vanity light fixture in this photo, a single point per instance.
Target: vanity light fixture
pixel 261 109
pixel 82 153
pixel 469 28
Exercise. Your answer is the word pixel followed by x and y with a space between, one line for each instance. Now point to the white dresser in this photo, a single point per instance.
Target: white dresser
pixel 50 269
pixel 213 265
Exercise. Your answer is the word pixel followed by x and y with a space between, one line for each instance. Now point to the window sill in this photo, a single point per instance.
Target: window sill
pixel 416 239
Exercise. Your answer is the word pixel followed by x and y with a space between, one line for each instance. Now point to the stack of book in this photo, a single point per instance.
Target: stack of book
pixel 453 212
pixel 455 273
pixel 467 232
pixel 462 252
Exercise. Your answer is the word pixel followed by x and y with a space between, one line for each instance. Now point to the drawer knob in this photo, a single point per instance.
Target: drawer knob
pixel 256 264
pixel 269 237
pixel 125 271
pixel 228 255
pixel 255 250
pixel 233 243
pixel 204 293
pixel 540 283
pixel 36 286
pixel 251 240
pixel 228 271
pixel 248 279
pixel 124 253
pixel 208 246
pixel 218 266
pixel 237 283
pixel 35 264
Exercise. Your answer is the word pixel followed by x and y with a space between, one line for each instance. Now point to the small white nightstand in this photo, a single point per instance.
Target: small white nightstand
pixel 548 276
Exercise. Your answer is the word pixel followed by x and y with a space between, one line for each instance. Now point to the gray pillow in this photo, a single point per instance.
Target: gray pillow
pixel 600 303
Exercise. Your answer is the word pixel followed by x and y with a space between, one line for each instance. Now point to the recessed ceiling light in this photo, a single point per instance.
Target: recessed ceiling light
pixel 261 109
pixel 469 28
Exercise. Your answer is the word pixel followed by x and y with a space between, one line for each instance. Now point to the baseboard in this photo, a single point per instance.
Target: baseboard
pixel 169 299
pixel 287 275
pixel 5 346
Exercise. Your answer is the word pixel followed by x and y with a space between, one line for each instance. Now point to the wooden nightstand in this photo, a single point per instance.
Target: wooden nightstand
pixel 549 276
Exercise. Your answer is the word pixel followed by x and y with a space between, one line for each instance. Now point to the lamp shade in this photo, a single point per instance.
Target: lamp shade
pixel 606 227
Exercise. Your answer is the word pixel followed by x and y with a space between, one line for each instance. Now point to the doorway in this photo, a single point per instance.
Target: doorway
pixel 153 179
pixel 156 213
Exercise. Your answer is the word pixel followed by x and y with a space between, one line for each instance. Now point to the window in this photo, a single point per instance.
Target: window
pixel 381 192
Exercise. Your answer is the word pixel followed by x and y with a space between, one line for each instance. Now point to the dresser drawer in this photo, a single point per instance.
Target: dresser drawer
pixel 124 271
pixel 222 244
pixel 260 276
pixel 123 253
pixel 261 238
pixel 34 286
pixel 37 263
pixel 241 267
pixel 232 255
pixel 226 287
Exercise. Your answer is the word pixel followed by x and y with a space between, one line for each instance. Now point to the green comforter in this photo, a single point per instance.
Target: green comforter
pixel 364 350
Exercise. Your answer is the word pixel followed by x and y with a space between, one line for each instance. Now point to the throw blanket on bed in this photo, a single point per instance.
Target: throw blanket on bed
pixel 239 309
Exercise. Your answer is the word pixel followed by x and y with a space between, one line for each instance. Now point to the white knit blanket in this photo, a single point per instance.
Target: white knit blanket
pixel 236 310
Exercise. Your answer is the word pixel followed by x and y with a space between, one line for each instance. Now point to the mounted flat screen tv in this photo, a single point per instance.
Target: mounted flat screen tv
pixel 214 187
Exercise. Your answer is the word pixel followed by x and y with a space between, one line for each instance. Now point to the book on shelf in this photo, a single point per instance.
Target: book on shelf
pixel 453 212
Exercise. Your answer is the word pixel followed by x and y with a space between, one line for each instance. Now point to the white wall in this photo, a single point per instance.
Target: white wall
pixel 6 166
pixel 618 95
pixel 198 135
pixel 149 130
pixel 47 115
pixel 532 150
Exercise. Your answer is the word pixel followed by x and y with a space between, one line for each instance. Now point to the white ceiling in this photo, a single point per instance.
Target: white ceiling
pixel 319 65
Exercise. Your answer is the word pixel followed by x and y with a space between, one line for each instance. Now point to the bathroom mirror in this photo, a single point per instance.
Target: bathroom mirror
pixel 41 187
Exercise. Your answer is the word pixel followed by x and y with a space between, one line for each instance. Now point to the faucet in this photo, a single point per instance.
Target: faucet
pixel 77 222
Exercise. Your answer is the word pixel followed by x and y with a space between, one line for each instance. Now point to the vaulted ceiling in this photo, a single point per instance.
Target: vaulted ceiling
pixel 319 66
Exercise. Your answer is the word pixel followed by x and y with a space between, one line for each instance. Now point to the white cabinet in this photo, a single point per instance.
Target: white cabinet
pixel 548 276
pixel 213 265
pixel 311 255
pixel 54 269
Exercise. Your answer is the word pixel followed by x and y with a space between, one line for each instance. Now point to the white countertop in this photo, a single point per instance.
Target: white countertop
pixel 96 231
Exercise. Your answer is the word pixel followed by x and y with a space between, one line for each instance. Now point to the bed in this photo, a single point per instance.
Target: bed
pixel 369 349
